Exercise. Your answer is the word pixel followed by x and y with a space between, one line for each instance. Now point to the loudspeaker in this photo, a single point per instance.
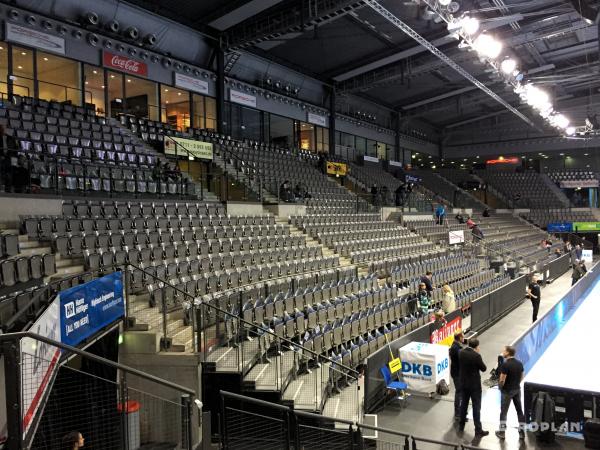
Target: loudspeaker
pixel 150 39
pixel 91 18
pixel 132 33
pixel 113 26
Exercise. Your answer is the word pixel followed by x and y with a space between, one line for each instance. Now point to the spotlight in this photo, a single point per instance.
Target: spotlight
pixel 132 33
pixel 31 20
pixel 278 85
pixel 570 131
pixel 444 2
pixel 92 39
pixel 92 18
pixel 269 82
pixel 150 39
pixel 487 46
pixel 453 7
pixel 508 66
pixel 561 121
pixel 113 26
pixel 469 25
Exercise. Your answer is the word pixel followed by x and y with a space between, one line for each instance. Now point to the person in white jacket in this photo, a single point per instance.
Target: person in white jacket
pixel 448 301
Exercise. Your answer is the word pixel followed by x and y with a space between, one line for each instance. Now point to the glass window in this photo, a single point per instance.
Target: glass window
pixel 141 97
pixel 199 119
pixel 210 105
pixel 381 150
pixel 282 131
pixel 371 148
pixel 94 88
pixel 322 139
pixel 3 69
pixel 22 71
pixel 175 107
pixel 347 140
pixel 326 140
pixel 115 93
pixel 306 134
pixel 58 78
pixel 361 145
pixel 250 123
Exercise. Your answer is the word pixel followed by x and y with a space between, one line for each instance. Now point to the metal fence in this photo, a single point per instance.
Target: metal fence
pixel 69 390
pixel 248 423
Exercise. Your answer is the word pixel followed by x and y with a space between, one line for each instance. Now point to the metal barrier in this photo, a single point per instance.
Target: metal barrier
pixel 250 423
pixel 93 395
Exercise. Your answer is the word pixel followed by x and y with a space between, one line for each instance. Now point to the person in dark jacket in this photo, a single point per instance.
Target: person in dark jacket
pixel 511 374
pixel 535 295
pixel 455 349
pixel 577 273
pixel 471 364
pixel 427 280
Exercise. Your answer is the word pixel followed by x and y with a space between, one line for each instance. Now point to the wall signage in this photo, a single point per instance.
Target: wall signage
pixel 242 98
pixel 316 119
pixel 502 160
pixel 190 83
pixel 34 38
pixel 178 146
pixel 124 64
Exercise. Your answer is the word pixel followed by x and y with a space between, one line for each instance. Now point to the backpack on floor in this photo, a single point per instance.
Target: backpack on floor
pixel 543 413
pixel 591 433
pixel 442 388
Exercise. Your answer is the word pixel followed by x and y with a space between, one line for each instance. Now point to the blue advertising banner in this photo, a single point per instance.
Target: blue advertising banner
pixel 87 308
pixel 560 227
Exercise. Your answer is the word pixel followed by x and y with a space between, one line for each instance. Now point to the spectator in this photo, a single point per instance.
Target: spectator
pixel 8 152
pixel 486 213
pixel 582 267
pixel 285 192
pixel 157 171
pixel 534 294
pixel 470 223
pixel 438 319
pixel 426 279
pixel 578 252
pixel 322 163
pixel 375 194
pixel 440 214
pixel 455 349
pixel 20 175
pixel 477 233
pixel 471 364
pixel 300 193
pixel 73 440
pixel 384 195
pixel 448 300
pixel 459 217
pixel 510 376
pixel 400 192
pixel 423 299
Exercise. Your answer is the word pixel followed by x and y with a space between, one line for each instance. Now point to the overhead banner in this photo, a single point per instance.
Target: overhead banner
pixel 124 64
pixel 395 163
pixel 456 237
pixel 445 334
pixel 87 308
pixel 586 226
pixel 34 38
pixel 559 227
pixel 573 184
pixel 196 149
pixel 38 363
pixel 412 179
pixel 370 159
pixel 502 160
pixel 242 98
pixel 190 83
pixel 316 119
pixel 336 168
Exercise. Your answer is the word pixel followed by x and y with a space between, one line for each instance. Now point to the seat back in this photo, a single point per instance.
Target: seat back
pixel 387 375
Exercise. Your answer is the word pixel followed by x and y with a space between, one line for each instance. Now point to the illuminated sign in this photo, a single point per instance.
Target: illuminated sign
pixel 502 160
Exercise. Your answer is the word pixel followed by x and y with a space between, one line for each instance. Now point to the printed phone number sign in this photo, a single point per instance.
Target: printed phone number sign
pixel 86 309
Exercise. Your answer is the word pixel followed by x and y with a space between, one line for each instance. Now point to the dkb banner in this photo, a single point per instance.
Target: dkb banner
pixel 336 168
pixel 88 308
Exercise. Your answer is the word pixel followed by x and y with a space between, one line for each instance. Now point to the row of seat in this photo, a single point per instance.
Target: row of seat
pixel 130 209
pixel 9 244
pixel 23 269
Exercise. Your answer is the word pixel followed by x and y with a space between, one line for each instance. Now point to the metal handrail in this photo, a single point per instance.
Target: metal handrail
pixel 96 358
pixel 249 324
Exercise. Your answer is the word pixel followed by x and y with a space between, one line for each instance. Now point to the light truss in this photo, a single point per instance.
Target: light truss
pixel 378 8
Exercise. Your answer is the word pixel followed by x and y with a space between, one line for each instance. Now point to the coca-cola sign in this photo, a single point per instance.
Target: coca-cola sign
pixel 125 64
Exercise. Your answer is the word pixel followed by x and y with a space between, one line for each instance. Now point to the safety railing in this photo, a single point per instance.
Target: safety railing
pixel 228 339
pixel 251 423
pixel 110 404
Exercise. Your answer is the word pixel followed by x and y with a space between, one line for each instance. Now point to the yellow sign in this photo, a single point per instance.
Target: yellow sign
pixel 336 168
pixel 395 365
pixel 188 147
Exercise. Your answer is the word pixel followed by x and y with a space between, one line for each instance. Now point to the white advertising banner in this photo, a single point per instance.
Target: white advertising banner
pixel 38 363
pixel 587 255
pixel 242 99
pixel 316 119
pixel 190 83
pixel 574 184
pixel 395 163
pixel 371 158
pixel 456 237
pixel 34 38
pixel 424 366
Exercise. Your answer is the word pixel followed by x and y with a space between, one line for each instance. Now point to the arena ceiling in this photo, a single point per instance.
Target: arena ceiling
pixel 348 43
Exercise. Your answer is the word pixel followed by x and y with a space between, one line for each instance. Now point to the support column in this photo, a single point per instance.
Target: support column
pixel 220 87
pixel 332 120
pixel 399 156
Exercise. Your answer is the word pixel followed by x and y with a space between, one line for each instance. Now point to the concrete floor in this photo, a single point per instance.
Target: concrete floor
pixel 433 418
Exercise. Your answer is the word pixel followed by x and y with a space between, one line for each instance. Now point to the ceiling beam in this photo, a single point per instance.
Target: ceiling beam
pixel 438 97
pixel 233 13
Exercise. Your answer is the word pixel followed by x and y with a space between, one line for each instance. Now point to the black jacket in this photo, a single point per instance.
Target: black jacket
pixel 471 364
pixel 455 349
pixel 427 282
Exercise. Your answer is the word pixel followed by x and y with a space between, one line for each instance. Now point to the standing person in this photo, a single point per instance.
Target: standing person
pixel 511 374
pixel 426 279
pixel 578 252
pixel 577 273
pixel 374 194
pixel 322 163
pixel 470 223
pixel 423 299
pixel 534 294
pixel 455 348
pixel 471 364
pixel 448 300
pixel 8 154
pixel 440 214
pixel 72 440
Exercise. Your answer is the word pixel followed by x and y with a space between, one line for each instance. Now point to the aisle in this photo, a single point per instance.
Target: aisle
pixel 434 418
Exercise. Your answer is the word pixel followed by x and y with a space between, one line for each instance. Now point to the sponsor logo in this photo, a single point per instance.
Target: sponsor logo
pixel 125 64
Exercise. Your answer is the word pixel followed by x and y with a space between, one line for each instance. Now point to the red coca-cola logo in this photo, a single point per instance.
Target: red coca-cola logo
pixel 125 64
